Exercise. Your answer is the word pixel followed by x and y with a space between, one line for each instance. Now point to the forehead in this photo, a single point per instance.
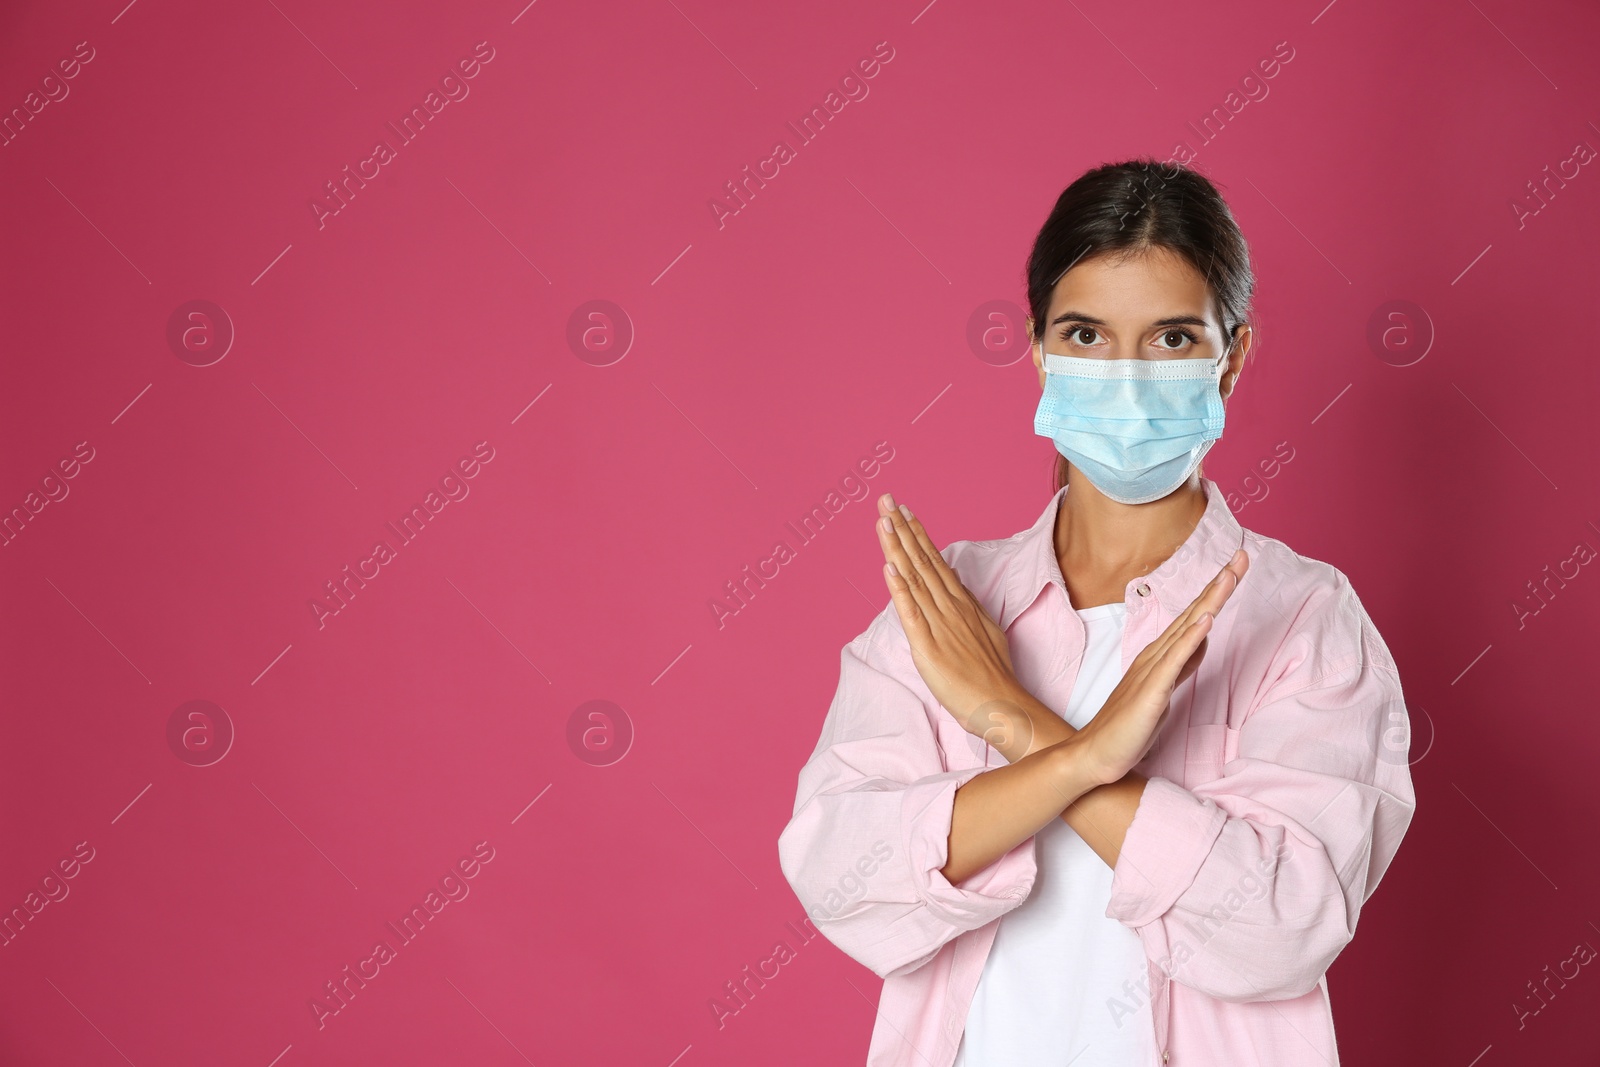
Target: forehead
pixel 1150 284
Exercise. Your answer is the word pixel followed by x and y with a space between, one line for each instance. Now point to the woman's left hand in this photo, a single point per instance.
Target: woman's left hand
pixel 961 652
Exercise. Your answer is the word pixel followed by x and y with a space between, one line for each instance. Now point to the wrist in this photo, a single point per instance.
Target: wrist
pixel 1074 768
pixel 1018 724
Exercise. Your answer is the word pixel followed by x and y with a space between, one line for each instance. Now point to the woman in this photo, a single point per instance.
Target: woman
pixel 1113 790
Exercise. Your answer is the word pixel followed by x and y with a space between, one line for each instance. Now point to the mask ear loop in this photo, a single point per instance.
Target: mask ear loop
pixel 1227 352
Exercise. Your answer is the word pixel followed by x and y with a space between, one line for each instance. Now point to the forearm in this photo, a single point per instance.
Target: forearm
pixel 1102 815
pixel 999 809
pixel 1024 725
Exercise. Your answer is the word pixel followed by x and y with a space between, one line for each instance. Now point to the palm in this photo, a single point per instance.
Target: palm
pixel 1121 732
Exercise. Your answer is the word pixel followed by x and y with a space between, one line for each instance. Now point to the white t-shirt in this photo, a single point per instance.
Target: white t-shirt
pixel 1064 984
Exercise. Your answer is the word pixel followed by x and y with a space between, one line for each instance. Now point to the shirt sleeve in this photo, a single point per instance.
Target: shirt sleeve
pixel 1248 887
pixel 871 823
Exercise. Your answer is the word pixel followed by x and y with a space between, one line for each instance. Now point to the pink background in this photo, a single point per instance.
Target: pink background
pixel 768 355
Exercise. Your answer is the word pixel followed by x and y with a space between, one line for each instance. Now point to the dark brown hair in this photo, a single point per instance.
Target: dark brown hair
pixel 1129 207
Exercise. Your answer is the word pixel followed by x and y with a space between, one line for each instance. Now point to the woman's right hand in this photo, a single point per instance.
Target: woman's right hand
pixel 1119 735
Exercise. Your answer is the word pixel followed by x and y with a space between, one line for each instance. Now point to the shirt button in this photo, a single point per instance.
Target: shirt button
pixel 1142 589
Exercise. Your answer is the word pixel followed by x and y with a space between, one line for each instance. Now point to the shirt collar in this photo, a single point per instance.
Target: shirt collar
pixel 1173 584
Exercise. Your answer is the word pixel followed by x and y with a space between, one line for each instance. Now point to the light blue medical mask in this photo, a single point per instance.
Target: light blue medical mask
pixel 1137 428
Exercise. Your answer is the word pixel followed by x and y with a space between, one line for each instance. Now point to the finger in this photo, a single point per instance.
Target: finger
pixel 894 552
pixel 912 618
pixel 935 558
pixel 1211 600
pixel 915 622
pixel 902 549
pixel 1212 597
pixel 918 606
pixel 1180 636
pixel 1222 586
pixel 914 550
pixel 1153 653
pixel 1170 664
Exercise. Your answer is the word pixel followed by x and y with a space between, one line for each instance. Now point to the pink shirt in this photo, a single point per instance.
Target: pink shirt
pixel 1279 790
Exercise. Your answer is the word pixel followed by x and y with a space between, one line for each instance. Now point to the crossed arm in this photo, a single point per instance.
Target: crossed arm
pixel 1045 779
pixel 1085 777
pixel 897 854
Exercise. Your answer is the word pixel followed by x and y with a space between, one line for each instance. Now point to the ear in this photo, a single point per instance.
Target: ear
pixel 1034 351
pixel 1243 337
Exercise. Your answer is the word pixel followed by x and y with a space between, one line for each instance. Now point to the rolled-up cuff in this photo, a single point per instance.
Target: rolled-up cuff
pixel 1169 838
pixel 925 815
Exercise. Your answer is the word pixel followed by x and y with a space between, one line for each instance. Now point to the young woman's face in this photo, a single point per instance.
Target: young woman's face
pixel 1152 305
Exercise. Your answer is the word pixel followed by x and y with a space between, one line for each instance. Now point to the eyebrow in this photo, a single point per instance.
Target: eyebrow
pixel 1175 320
